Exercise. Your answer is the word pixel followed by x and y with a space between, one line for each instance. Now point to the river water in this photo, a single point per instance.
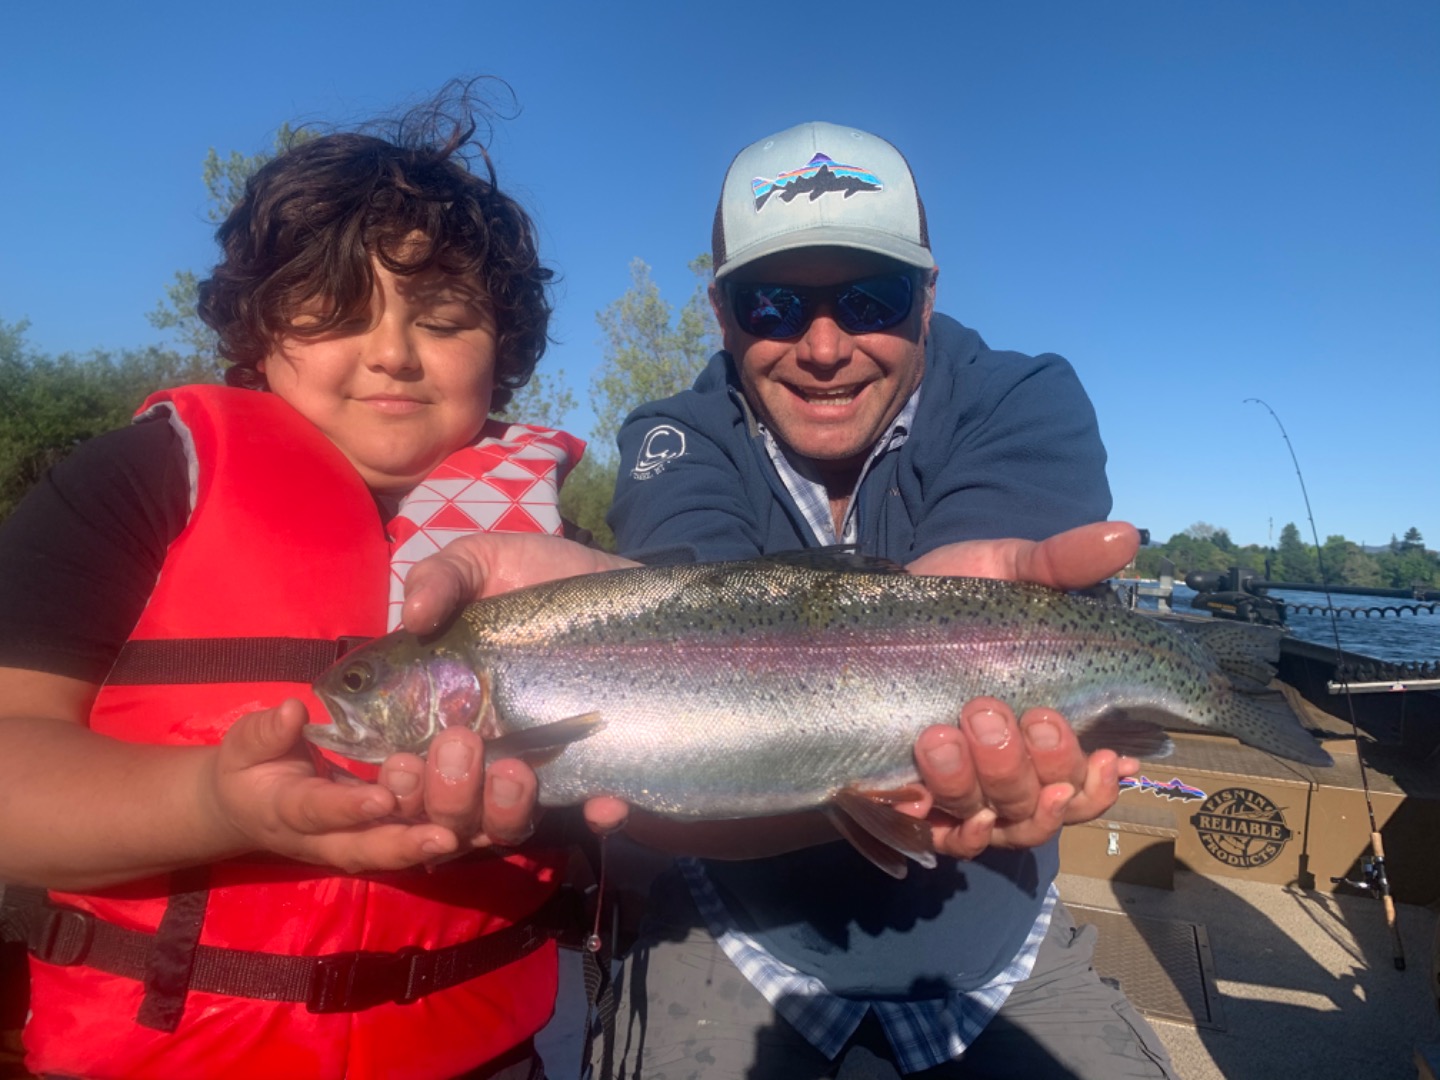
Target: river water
pixel 1403 639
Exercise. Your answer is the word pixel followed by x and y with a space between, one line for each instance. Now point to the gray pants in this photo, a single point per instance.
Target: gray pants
pixel 686 1013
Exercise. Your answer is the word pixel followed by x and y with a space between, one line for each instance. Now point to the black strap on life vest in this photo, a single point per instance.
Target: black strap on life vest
pixel 335 982
pixel 187 661
pixel 169 958
pixel 171 965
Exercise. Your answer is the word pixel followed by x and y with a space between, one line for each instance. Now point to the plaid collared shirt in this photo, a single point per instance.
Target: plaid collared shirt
pixel 810 495
pixel 922 1034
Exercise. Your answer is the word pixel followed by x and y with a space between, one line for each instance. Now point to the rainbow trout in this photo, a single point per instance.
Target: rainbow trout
pixel 731 690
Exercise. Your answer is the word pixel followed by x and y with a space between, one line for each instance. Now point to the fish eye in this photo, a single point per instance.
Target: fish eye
pixel 356 677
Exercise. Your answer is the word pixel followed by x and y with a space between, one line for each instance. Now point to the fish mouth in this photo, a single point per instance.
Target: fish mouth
pixel 346 733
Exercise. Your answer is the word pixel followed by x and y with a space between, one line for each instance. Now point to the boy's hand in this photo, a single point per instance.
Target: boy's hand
pixel 265 791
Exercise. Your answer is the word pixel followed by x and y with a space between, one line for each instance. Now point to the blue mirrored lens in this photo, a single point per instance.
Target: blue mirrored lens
pixel 770 311
pixel 860 307
pixel 874 304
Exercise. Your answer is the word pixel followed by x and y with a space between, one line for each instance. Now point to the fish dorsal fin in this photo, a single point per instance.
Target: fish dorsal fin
pixel 836 557
pixel 537 745
pixel 1134 732
pixel 881 833
pixel 1246 653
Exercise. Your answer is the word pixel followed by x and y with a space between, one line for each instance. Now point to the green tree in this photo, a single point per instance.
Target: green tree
pixel 1295 560
pixel 48 405
pixel 1333 555
pixel 1359 568
pixel 1190 554
pixel 585 498
pixel 650 354
pixel 225 180
pixel 1411 566
pixel 1148 560
pixel 544 400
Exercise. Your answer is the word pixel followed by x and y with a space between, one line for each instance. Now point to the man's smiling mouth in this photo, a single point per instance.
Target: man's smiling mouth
pixel 837 397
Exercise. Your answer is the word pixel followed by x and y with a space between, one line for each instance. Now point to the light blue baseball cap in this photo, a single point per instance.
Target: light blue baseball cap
pixel 819 185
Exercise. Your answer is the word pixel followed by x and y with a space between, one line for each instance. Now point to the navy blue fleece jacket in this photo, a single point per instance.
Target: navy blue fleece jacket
pixel 1003 445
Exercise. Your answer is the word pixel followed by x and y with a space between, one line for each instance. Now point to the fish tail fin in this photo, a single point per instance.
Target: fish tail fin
pixel 1247 653
pixel 539 744
pixel 881 833
pixel 1269 723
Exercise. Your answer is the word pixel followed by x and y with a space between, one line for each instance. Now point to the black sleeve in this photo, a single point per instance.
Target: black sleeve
pixel 81 553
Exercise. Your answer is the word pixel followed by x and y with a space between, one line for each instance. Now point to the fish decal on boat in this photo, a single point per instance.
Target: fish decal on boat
pixel 1172 789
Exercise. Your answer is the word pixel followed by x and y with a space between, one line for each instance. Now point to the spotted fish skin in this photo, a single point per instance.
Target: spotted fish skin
pixel 739 689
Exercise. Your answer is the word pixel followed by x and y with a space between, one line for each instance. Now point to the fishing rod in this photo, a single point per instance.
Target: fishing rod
pixel 1374 877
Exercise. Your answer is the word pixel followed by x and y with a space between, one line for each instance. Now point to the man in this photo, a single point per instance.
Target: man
pixel 845 410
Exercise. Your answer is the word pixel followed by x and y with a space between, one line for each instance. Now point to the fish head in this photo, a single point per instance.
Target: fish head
pixel 394 695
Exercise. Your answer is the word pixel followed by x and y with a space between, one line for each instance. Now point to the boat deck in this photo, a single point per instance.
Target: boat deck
pixel 1286 983
pixel 1213 888
pixel 1306 981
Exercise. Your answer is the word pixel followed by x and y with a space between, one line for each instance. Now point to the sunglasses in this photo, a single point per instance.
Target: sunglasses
pixel 860 307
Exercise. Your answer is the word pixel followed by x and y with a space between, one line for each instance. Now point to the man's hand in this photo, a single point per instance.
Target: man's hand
pixel 448 787
pixel 467 569
pixel 1068 560
pixel 474 567
pixel 996 782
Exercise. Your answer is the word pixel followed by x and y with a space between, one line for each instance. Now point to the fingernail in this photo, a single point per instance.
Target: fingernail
pixel 504 791
pixel 1043 735
pixel 435 847
pixel 375 806
pixel 402 783
pixel 453 760
pixel 944 758
pixel 988 727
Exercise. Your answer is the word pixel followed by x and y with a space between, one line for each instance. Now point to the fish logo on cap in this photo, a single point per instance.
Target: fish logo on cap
pixel 821 175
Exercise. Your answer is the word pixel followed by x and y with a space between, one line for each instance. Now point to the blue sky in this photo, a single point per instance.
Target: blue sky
pixel 1196 203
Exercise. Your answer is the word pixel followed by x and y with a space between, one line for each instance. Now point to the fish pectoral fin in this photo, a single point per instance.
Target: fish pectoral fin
pixel 881 833
pixel 537 745
pixel 1133 732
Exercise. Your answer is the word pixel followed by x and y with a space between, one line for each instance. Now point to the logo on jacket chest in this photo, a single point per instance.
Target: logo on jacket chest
pixel 662 445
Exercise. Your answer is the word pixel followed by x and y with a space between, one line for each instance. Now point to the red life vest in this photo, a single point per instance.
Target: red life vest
pixel 285 541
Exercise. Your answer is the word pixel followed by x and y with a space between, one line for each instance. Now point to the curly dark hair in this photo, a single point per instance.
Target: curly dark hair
pixel 311 219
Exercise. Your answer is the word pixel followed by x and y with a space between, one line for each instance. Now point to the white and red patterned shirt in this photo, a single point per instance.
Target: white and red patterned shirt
pixel 507 481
